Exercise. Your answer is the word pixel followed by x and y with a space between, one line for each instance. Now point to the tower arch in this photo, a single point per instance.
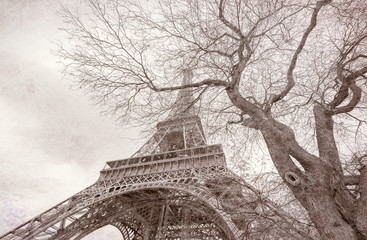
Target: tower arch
pixel 134 205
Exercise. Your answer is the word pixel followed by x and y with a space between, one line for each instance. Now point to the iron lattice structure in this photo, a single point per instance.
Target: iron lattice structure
pixel 175 187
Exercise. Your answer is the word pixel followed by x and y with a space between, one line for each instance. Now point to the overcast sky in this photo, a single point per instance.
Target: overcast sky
pixel 53 143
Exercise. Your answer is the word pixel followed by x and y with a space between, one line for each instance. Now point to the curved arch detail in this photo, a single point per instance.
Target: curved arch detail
pixel 76 206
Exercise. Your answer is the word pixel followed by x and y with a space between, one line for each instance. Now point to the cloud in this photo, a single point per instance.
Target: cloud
pixel 52 142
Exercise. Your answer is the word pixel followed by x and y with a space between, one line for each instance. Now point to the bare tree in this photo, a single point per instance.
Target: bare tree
pixel 294 73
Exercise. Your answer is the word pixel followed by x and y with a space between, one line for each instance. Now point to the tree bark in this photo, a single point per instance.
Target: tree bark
pixel 324 127
pixel 361 214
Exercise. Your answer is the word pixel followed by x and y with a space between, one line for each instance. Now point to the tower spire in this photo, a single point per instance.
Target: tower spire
pixel 184 104
pixel 182 129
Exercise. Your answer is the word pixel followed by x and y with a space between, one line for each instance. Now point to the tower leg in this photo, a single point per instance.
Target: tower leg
pixel 185 234
pixel 162 223
pixel 146 234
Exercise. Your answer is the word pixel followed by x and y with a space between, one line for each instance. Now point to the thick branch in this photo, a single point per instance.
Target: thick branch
pixel 350 180
pixel 243 44
pixel 348 82
pixel 324 127
pixel 278 152
pixel 292 65
pixel 328 151
pixel 353 102
pixel 306 159
pixel 248 122
pixel 226 22
pixel 207 82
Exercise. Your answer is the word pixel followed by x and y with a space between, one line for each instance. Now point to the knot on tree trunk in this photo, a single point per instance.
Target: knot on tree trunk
pixel 292 178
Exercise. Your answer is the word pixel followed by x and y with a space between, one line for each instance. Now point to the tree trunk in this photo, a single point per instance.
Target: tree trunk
pixel 312 189
pixel 319 201
pixel 320 187
pixel 361 214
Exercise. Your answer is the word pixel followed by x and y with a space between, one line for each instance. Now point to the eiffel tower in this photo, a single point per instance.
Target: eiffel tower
pixel 175 186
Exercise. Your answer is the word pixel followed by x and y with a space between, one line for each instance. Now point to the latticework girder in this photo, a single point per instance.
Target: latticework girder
pixel 175 187
pixel 175 134
pixel 84 213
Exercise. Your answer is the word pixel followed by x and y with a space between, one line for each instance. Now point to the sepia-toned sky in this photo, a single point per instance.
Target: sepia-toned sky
pixel 53 143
